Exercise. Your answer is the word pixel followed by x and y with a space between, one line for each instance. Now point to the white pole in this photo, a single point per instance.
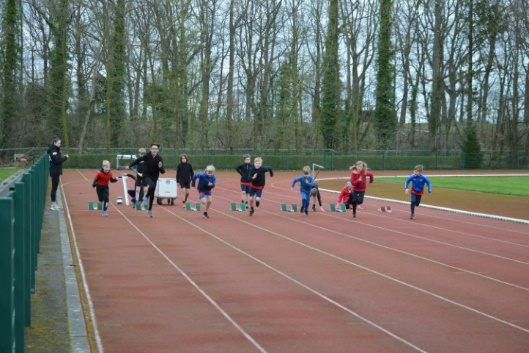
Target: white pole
pixel 125 193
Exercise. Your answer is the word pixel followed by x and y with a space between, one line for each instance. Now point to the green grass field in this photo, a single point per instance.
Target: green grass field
pixel 5 173
pixel 505 185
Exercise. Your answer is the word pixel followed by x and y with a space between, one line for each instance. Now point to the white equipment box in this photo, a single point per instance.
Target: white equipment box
pixel 166 188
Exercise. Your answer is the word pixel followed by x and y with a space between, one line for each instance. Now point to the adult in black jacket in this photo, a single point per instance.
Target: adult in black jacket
pixel 56 160
pixel 153 164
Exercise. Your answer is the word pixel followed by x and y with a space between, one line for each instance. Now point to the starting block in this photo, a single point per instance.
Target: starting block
pixel 233 207
pixel 385 209
pixel 95 206
pixel 189 206
pixel 284 208
pixel 342 208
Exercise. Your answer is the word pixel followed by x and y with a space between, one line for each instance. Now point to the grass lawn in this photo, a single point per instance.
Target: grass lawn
pixel 5 173
pixel 505 185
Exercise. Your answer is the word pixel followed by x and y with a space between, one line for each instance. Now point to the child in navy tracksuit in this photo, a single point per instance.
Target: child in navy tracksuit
pixel 245 171
pixel 418 181
pixel 206 182
pixel 100 182
pixel 306 182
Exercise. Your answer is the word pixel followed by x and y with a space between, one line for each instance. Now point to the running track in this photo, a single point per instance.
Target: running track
pixel 285 282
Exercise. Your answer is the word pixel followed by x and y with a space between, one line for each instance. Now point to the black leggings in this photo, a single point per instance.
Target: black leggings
pixel 150 192
pixel 54 186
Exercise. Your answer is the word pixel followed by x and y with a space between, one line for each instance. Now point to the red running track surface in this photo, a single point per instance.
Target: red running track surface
pixel 286 282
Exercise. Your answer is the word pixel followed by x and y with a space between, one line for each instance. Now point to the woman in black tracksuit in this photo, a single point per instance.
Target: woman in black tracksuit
pixel 153 164
pixel 56 161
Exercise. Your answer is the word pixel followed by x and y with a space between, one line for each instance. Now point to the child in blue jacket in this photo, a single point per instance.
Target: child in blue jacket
pixel 306 182
pixel 206 182
pixel 418 181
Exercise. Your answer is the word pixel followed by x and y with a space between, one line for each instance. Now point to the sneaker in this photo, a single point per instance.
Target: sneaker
pixel 251 212
pixel 306 212
pixel 183 204
pixel 150 213
pixel 313 208
pixel 301 210
pixel 53 208
pixel 104 214
pixel 159 201
pixel 257 203
pixel 354 214
pixel 412 216
pixel 205 214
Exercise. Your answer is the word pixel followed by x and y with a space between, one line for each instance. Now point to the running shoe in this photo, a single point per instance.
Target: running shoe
pixel 104 214
pixel 205 214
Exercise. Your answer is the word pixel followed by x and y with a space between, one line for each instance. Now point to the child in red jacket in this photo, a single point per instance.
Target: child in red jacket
pixel 344 195
pixel 101 180
pixel 359 180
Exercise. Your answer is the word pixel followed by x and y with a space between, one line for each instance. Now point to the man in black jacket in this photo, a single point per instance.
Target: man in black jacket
pixel 153 166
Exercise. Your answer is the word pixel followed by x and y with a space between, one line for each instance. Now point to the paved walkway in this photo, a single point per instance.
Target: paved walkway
pixel 57 322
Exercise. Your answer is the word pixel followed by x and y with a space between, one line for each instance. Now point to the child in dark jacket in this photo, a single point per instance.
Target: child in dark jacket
pixel 206 182
pixel 184 176
pixel 101 180
pixel 244 171
pixel 258 174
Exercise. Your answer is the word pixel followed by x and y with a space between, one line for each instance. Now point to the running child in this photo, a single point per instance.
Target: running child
pixel 344 195
pixel 418 180
pixel 359 180
pixel 101 180
pixel 306 182
pixel 316 196
pixel 206 182
pixel 184 175
pixel 258 174
pixel 153 167
pixel 244 171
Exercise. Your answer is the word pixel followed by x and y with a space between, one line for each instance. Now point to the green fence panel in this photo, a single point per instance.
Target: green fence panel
pixel 20 265
pixel 22 203
pixel 7 275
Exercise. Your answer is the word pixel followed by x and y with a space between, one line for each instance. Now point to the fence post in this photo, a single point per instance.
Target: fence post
pixel 20 266
pixel 7 276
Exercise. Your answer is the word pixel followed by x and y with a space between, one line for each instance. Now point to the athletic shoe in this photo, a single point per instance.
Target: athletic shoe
pixel 257 203
pixel 251 212
pixel 306 212
pixel 55 208
pixel 354 214
pixel 159 201
pixel 314 208
pixel 150 213
pixel 183 204
pixel 301 210
pixel 205 214
pixel 412 216
pixel 104 214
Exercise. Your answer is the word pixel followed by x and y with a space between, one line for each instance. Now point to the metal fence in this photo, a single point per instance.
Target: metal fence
pixel 22 199
pixel 291 160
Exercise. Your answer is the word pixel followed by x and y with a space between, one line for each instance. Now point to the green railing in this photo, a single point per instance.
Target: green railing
pixel 22 199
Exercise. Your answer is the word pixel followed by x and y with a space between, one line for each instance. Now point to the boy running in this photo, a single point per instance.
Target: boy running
pixel 184 175
pixel 244 171
pixel 258 174
pixel 101 180
pixel 306 182
pixel 206 182
pixel 418 180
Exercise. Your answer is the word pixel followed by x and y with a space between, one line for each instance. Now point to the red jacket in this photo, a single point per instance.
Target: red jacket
pixel 358 179
pixel 103 178
pixel 344 195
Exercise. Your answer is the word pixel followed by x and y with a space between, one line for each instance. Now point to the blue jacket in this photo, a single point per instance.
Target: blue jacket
pixel 306 183
pixel 203 181
pixel 418 182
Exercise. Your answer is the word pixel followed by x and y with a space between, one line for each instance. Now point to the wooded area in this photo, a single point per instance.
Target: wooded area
pixel 344 75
